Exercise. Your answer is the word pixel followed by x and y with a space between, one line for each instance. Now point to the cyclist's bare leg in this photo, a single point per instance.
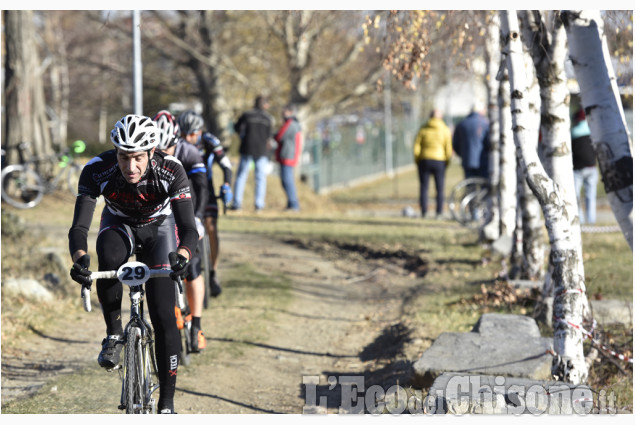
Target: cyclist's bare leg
pixel 212 231
pixel 195 290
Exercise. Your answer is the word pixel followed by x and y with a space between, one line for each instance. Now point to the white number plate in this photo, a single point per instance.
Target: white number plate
pixel 133 273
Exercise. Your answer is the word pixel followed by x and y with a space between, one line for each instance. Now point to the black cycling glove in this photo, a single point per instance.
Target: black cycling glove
pixel 179 264
pixel 80 272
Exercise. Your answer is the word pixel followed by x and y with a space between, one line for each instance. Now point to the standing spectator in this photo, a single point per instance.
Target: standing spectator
pixel 289 139
pixel 254 127
pixel 432 152
pixel 585 173
pixel 470 141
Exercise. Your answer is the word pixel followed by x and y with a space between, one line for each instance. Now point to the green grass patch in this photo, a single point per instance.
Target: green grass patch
pixel 608 265
pixel 252 298
pixel 91 390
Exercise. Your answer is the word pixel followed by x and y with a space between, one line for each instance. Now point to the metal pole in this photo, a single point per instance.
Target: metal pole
pixel 388 125
pixel 137 74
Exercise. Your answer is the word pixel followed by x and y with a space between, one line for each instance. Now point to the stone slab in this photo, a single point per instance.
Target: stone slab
pixel 458 394
pixel 612 311
pixel 28 288
pixel 499 344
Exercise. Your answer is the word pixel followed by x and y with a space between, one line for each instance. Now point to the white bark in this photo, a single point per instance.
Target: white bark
pixel 491 230
pixel 508 183
pixel 548 48
pixel 533 266
pixel 589 54
pixel 569 364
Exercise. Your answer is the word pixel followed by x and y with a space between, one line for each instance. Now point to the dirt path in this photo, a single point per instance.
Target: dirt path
pixel 343 319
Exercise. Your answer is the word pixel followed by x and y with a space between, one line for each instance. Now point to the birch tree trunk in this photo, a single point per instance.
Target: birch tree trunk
pixel 589 54
pixel 570 298
pixel 491 230
pixel 533 266
pixel 508 178
pixel 548 49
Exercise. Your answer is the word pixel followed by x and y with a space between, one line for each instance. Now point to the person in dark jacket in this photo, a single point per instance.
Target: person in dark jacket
pixel 289 139
pixel 470 142
pixel 254 127
pixel 585 173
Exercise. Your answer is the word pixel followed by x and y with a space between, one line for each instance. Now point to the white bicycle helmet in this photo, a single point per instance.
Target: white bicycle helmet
pixel 190 122
pixel 168 129
pixel 135 133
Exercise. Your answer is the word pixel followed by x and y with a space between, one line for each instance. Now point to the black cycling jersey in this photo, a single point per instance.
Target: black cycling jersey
pixel 190 157
pixel 213 151
pixel 163 186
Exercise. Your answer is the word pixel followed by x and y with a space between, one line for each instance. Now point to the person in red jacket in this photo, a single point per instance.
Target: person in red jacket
pixel 289 139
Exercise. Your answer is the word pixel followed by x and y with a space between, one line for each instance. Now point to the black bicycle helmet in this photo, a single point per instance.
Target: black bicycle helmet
pixel 190 122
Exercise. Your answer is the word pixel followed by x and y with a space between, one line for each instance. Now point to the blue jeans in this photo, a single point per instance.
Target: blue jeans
pixel 287 179
pixel 587 177
pixel 260 180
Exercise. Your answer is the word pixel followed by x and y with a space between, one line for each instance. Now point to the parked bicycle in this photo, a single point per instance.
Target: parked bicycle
pixel 139 371
pixel 468 201
pixel 23 186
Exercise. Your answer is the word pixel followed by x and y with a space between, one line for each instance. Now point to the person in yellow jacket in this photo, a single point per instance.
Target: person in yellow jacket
pixel 432 153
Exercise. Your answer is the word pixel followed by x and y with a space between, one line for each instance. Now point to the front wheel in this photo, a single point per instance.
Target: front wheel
pixel 21 187
pixel 133 388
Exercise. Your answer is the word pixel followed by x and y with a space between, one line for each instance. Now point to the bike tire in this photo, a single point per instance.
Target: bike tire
pixel 206 267
pixel 132 387
pixel 186 343
pixel 474 208
pixel 21 187
pixel 463 189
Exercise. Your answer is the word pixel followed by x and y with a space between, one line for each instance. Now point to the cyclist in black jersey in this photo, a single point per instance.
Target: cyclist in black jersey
pixel 147 203
pixel 194 167
pixel 191 126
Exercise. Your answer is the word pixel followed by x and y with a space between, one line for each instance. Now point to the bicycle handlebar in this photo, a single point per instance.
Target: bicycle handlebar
pixel 131 273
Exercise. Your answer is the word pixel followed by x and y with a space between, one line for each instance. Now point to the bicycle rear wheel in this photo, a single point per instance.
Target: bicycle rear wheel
pixel 21 187
pixel 133 387
pixel 206 267
pixel 186 341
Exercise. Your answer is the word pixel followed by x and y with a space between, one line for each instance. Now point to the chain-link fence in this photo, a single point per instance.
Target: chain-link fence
pixel 338 153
